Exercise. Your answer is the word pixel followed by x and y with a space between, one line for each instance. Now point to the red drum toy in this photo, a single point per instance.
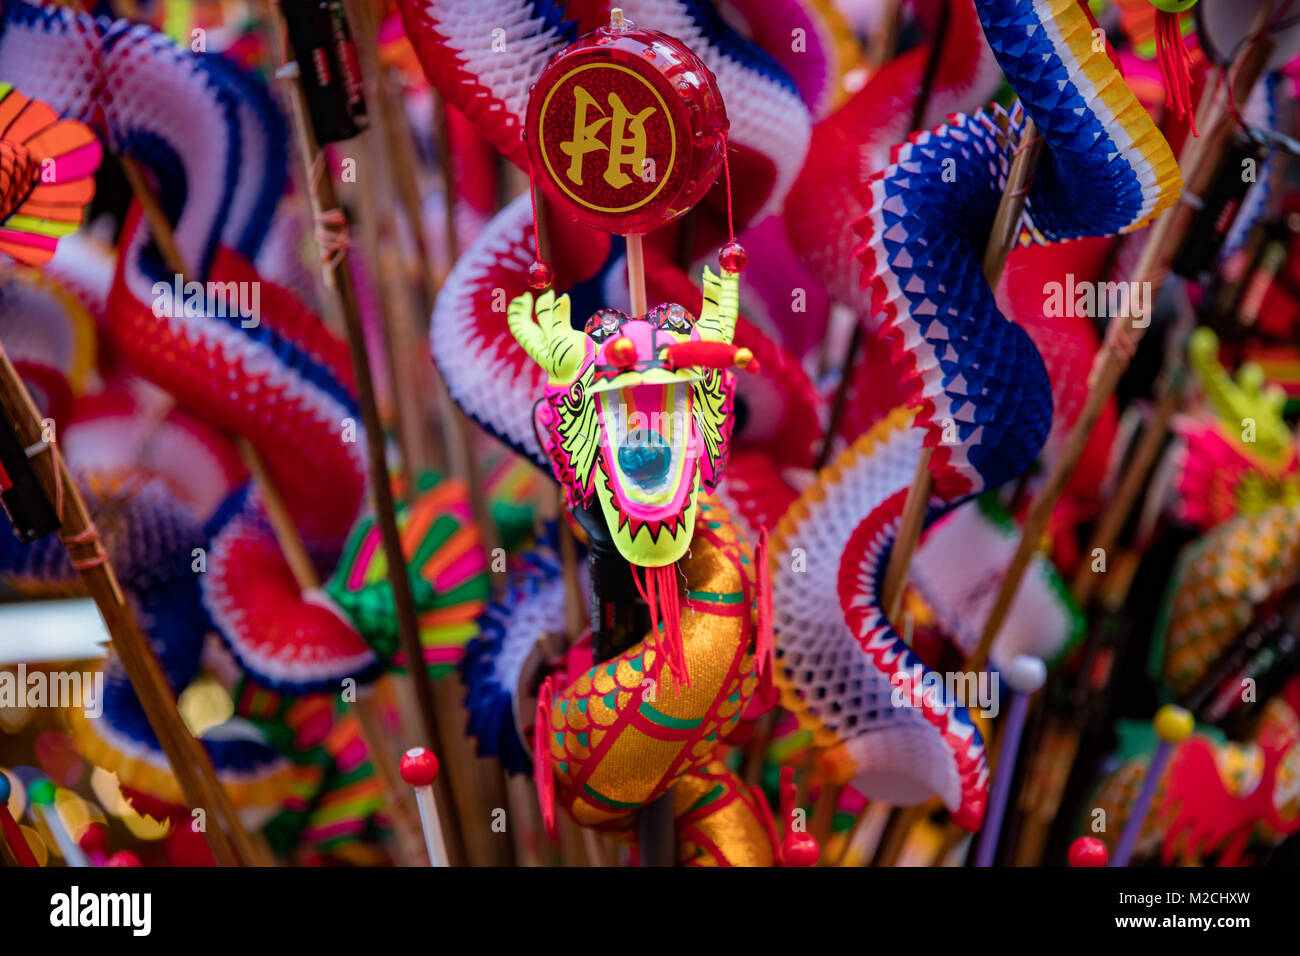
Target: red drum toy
pixel 630 129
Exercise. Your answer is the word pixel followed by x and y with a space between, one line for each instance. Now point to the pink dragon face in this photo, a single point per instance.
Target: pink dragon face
pixel 637 411
pixel 659 432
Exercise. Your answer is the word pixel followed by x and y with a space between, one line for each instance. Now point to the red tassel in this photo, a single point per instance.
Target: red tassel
pixel 648 595
pixel 660 595
pixel 543 772
pixel 765 642
pixel 1175 66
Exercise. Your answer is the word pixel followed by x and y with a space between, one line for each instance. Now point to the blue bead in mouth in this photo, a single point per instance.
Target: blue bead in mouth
pixel 645 457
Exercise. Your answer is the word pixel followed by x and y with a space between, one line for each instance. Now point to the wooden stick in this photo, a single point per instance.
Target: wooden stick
pixel 885 40
pixel 909 535
pixel 1126 494
pixel 401 151
pixel 369 719
pixel 160 227
pixel 1002 238
pixel 448 182
pixel 338 276
pixel 459 431
pixel 1166 237
pixel 419 768
pixel 756 749
pixel 574 602
pixel 524 820
pixel 286 534
pixel 823 818
pixel 189 761
pixel 409 360
pixel 374 732
pixel 919 106
pixel 859 844
pixel 636 275
pixel 952 836
pixel 894 839
pixel 1011 207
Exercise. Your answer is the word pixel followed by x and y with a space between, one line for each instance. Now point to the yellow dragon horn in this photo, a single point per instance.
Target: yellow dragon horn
pixel 1240 401
pixel 717 322
pixel 529 335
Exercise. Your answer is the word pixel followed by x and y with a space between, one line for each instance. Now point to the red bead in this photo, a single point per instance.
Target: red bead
pixel 1088 851
pixel 540 275
pixel 419 767
pixel 123 858
pixel 799 849
pixel 621 351
pixel 95 838
pixel 733 258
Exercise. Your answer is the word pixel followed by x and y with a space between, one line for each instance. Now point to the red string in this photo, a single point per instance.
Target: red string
pixel 87 536
pixel 726 171
pixel 763 648
pixel 331 224
pixel 532 195
pixel 1231 77
pixel 17 842
pixel 543 773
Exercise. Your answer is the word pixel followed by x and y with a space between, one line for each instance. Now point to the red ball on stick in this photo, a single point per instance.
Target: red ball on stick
pixel 1087 851
pixel 419 767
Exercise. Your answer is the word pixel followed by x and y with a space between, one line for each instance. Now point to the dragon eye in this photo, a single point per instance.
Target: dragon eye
pixel 603 324
pixel 676 318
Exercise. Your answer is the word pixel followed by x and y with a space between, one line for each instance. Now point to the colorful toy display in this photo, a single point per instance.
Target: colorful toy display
pixel 683 433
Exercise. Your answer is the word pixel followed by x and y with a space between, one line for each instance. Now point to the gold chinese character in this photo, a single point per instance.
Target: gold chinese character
pixel 626 139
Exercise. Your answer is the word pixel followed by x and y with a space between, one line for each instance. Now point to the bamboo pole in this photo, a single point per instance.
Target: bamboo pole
pixel 1002 239
pixel 325 209
pixel 189 761
pixel 1153 267
pixel 369 719
pixel 889 38
pixel 636 275
pixel 1126 493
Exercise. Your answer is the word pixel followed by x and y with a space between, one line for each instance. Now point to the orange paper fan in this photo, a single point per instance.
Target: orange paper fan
pixel 47 176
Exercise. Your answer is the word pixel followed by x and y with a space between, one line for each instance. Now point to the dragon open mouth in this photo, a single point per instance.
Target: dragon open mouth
pixel 647 434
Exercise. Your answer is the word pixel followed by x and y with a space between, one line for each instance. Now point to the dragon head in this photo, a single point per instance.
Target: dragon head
pixel 637 411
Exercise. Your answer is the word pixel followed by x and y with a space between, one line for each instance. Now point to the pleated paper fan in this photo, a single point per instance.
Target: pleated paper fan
pixel 49 335
pixel 47 176
pixel 447 567
pixel 288 639
pixel 533 603
pixel 251 770
pixel 839 676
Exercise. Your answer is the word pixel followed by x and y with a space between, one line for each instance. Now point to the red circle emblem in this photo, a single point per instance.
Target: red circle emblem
pixel 625 129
